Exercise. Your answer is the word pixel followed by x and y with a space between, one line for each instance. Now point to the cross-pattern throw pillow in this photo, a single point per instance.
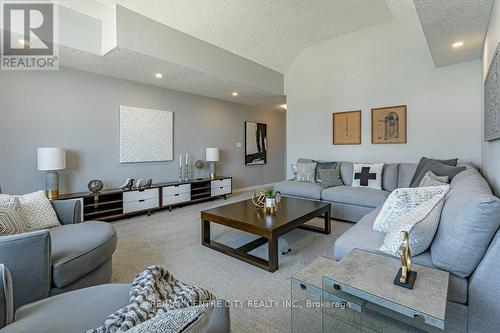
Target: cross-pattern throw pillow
pixel 306 172
pixel 431 179
pixel 421 223
pixel 401 201
pixel 39 212
pixel 367 175
pixel 12 218
pixel 330 177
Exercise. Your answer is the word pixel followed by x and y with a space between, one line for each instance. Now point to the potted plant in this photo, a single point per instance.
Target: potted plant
pixel 270 199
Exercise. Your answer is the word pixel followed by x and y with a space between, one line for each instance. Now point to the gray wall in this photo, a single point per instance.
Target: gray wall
pixel 491 149
pixel 388 64
pixel 80 112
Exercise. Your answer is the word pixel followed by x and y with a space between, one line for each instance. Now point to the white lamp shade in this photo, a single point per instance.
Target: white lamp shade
pixel 51 158
pixel 212 154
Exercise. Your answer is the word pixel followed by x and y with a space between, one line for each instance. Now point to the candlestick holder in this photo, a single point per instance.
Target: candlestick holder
pixel 186 175
pixel 180 173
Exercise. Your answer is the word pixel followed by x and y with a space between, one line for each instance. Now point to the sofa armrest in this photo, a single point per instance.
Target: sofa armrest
pixel 68 211
pixel 484 291
pixel 28 257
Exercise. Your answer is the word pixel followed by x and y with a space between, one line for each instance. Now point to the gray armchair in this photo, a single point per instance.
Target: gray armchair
pixel 67 257
pixel 77 311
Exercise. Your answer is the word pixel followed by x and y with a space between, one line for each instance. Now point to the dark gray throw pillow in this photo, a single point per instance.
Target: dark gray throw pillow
pixel 421 164
pixel 330 177
pixel 323 166
pixel 440 169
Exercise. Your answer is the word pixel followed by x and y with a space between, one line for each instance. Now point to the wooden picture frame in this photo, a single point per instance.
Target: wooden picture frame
pixel 389 125
pixel 346 128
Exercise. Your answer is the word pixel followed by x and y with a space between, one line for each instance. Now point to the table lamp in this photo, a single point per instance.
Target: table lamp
pixel 51 159
pixel 212 156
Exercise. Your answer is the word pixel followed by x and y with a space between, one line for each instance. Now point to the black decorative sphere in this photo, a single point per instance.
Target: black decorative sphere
pixel 95 186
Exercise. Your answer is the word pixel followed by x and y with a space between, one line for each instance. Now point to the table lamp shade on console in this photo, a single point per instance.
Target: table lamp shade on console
pixel 212 156
pixel 51 159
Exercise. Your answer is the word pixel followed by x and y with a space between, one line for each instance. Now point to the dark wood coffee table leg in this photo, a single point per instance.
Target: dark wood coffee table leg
pixel 241 253
pixel 273 254
pixel 327 229
pixel 328 221
pixel 205 232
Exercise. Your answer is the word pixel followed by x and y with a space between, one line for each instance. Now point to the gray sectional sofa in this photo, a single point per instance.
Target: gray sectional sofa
pixel 352 203
pixel 467 243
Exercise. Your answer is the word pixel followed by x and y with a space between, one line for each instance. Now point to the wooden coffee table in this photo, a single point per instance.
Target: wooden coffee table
pixel 291 213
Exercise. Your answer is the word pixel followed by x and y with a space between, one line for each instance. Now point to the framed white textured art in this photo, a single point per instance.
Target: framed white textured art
pixel 146 135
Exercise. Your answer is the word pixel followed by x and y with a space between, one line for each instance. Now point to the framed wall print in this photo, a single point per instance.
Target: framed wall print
pixel 492 100
pixel 347 128
pixel 255 143
pixel 389 125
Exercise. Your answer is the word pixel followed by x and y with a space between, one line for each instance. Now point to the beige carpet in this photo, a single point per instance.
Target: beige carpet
pixel 172 240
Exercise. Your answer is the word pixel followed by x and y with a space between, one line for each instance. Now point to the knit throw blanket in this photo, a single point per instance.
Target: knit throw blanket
pixel 154 292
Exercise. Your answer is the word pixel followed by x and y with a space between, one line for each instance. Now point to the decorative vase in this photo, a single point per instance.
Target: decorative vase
pixel 270 205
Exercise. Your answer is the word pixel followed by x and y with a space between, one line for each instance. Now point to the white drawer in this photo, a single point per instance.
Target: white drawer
pixel 138 205
pixel 177 189
pixel 176 198
pixel 221 183
pixel 220 190
pixel 137 195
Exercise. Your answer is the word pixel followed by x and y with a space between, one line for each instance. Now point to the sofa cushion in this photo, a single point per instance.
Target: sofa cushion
pixel 323 166
pixel 76 311
pixel 361 236
pixel 299 189
pixel 424 161
pixel 469 221
pixel 78 249
pixel 390 176
pixel 405 174
pixel 355 196
pixel 346 171
pixel 440 169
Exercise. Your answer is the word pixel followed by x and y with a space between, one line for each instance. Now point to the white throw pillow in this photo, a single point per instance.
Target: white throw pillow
pixel 367 175
pixel 306 172
pixel 12 218
pixel 421 223
pixel 431 179
pixel 39 212
pixel 401 201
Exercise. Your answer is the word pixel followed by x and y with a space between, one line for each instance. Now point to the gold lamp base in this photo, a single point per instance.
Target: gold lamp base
pixel 212 176
pixel 52 194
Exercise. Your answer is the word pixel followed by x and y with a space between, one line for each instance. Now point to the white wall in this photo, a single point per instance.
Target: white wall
pixel 491 150
pixel 388 64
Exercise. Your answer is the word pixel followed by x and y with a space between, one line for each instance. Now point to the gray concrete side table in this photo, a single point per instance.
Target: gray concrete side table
pixel 357 294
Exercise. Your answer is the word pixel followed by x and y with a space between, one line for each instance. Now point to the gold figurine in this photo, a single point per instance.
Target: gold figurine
pixel 404 252
pixel 405 277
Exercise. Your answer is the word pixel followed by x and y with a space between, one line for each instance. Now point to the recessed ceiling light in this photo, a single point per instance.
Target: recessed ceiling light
pixel 158 75
pixel 458 44
pixel 235 93
pixel 283 106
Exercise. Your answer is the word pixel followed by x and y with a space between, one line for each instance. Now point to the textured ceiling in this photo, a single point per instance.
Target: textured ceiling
pixel 128 65
pixel 271 33
pixel 446 22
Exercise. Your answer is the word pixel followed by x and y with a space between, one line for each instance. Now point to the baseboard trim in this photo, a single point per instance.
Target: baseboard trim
pixel 253 188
